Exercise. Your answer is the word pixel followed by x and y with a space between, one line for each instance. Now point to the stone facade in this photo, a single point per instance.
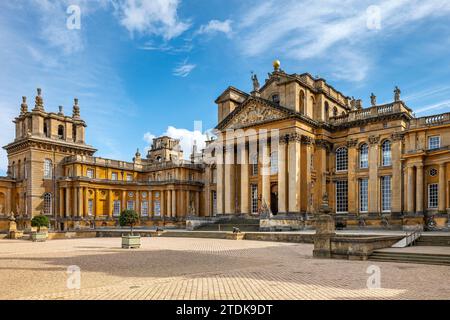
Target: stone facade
pixel 279 150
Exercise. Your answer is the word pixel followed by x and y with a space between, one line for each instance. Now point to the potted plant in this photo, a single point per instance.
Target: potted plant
pixel 130 218
pixel 38 222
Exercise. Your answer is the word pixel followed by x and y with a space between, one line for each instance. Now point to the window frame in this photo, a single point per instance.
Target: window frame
pixel 438 139
pixel 48 169
pixel 48 204
pixel 338 201
pixel 384 153
pixel 364 185
pixel 435 197
pixel 364 147
pixel 383 191
pixel 254 198
pixel 340 162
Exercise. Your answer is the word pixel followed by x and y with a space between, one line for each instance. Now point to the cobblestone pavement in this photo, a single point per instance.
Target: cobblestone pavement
pixel 179 268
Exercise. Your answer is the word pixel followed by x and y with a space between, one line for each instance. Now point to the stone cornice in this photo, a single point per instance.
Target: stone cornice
pixel 48 144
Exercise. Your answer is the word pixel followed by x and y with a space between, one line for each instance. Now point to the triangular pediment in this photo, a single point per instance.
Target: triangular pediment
pixel 253 112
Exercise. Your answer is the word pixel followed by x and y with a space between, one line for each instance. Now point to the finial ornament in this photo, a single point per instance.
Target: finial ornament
pixel 61 111
pixel 276 65
pixel 397 93
pixel 24 106
pixel 39 102
pixel 76 109
pixel 373 100
pixel 255 81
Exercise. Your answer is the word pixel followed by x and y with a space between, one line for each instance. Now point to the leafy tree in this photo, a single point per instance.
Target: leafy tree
pixel 39 221
pixel 129 218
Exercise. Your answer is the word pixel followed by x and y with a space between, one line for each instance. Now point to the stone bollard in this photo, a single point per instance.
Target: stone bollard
pixel 325 231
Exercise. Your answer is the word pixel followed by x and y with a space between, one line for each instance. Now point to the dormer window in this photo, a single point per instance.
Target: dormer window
pixel 276 98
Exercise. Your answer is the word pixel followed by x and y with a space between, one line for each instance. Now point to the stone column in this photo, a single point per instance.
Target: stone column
pixel 67 208
pixel 419 189
pixel 197 204
pixel 396 195
pixel 169 203
pixel 150 204
pixel 373 189
pixel 75 212
pixel 229 179
pixel 174 203
pixel 124 200
pixel 265 175
pixel 80 201
pixel 352 180
pixel 220 181
pixel 307 141
pixel 86 201
pixel 188 202
pixel 442 188
pixel 61 202
pixel 110 203
pixel 294 148
pixel 163 203
pixel 282 171
pixel 411 199
pixel 137 200
pixel 245 209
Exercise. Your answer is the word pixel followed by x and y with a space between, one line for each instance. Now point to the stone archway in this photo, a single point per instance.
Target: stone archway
pixel 274 199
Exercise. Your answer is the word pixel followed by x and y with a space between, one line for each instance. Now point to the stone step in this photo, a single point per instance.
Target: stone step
pixel 407 257
pixel 434 240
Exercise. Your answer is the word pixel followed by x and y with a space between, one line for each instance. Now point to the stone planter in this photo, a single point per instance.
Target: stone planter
pixel 132 242
pixel 38 236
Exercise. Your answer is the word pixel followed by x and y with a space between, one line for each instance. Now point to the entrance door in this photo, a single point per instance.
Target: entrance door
pixel 274 199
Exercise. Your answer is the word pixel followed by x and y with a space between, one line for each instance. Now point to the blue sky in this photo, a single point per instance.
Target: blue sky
pixel 144 68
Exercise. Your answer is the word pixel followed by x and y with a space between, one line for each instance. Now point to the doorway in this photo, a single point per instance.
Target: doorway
pixel 274 199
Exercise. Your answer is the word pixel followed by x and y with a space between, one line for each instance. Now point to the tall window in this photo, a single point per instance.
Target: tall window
pixel 386 193
pixel 302 102
pixel 342 196
pixel 129 177
pixel 274 162
pixel 254 190
pixel 116 208
pixel 363 195
pixel 157 206
pixel 327 110
pixel 386 153
pixel 47 169
pixel 90 207
pixel 90 173
pixel 276 98
pixel 74 133
pixel 114 176
pixel 214 202
pixel 433 197
pixel 342 159
pixel 13 170
pixel 254 163
pixel 364 156
pixel 144 208
pixel 47 203
pixel 434 142
pixel 130 205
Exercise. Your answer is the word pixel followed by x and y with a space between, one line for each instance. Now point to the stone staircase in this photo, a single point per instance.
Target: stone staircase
pixel 421 258
pixel 425 240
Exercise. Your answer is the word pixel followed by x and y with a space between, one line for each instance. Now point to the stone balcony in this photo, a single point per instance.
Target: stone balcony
pixel 356 116
pixel 428 121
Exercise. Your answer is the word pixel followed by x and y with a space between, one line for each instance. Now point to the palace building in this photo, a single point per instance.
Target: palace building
pixel 280 150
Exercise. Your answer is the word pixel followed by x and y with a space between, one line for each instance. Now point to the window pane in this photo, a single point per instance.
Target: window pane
pixel 363 195
pixel 116 210
pixel 341 159
pixel 274 163
pixel 433 198
pixel 342 196
pixel 254 190
pixel 364 156
pixel 434 142
pixel 386 153
pixel 144 208
pixel 386 193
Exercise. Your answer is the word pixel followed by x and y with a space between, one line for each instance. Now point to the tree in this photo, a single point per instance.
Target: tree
pixel 129 218
pixel 39 221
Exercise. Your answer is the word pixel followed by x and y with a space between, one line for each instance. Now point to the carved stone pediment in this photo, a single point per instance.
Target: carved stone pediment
pixel 254 114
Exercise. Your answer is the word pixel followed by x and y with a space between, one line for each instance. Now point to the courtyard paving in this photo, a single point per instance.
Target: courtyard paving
pixel 180 268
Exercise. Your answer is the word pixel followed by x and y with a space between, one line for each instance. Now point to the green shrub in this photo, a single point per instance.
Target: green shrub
pixel 39 221
pixel 128 218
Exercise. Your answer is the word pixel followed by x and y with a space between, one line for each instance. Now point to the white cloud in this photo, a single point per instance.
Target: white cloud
pixel 152 17
pixel 435 106
pixel 323 29
pixel 183 69
pixel 215 26
pixel 186 137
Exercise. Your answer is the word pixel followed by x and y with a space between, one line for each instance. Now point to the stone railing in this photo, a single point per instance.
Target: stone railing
pixel 103 162
pixel 372 112
pixel 433 120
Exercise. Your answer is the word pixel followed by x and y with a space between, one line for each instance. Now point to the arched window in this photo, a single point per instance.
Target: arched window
pixel 276 98
pixel 386 153
pixel 47 203
pixel 327 110
pixel 364 156
pixel 13 170
pixel 342 159
pixel 254 163
pixel 274 162
pixel 335 112
pixel 61 132
pixel 45 129
pixel 302 102
pixel 47 169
